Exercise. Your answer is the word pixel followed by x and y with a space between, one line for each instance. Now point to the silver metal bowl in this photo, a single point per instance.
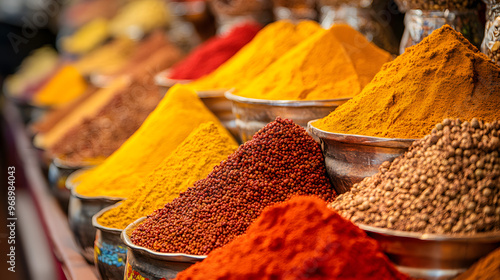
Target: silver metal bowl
pixel 57 175
pixel 433 256
pixel 80 211
pixel 253 114
pixel 110 253
pixel 154 265
pixel 351 158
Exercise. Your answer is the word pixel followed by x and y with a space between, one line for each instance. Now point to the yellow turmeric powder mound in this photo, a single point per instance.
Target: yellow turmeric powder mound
pixel 192 160
pixel 444 76
pixel 179 113
pixel 318 68
pixel 66 85
pixel 265 48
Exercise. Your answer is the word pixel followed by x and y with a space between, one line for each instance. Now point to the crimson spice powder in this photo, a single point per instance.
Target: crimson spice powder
pixel 281 161
pixel 299 239
pixel 214 52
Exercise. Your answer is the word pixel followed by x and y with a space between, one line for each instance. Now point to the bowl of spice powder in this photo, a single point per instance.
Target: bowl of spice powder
pixel 151 264
pixel 81 209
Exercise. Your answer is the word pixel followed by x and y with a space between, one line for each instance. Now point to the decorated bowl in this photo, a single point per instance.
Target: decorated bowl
pixel 81 209
pixel 351 158
pixel 143 263
pixel 433 256
pixel 110 253
pixel 253 114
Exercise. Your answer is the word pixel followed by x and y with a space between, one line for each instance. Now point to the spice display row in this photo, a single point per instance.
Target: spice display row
pixel 174 162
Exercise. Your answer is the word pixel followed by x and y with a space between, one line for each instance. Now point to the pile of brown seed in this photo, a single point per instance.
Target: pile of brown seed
pixel 280 161
pixel 448 182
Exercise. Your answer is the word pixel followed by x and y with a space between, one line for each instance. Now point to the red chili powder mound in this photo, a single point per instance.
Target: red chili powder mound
pixel 215 51
pixel 299 239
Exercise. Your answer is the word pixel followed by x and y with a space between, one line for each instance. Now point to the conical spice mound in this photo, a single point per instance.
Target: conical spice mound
pixel 442 77
pixel 281 161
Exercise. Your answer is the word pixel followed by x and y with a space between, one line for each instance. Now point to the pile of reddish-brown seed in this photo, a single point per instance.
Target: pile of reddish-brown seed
pixel 281 161
pixel 448 182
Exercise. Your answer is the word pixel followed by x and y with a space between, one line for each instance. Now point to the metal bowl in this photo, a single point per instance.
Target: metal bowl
pixel 165 83
pixel 58 173
pixel 433 256
pixel 80 211
pixel 154 265
pixel 351 158
pixel 110 253
pixel 253 114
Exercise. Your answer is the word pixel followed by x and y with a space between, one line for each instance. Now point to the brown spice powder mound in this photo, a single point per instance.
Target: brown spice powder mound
pixel 281 161
pixel 444 76
pixel 488 268
pixel 99 136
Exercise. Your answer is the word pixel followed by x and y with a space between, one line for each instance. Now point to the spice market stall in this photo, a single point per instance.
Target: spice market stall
pixel 283 149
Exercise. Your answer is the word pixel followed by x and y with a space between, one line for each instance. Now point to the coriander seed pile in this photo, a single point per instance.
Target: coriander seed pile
pixel 447 183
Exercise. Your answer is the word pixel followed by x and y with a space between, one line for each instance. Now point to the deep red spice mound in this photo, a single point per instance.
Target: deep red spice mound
pixel 299 239
pixel 215 51
pixel 281 161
